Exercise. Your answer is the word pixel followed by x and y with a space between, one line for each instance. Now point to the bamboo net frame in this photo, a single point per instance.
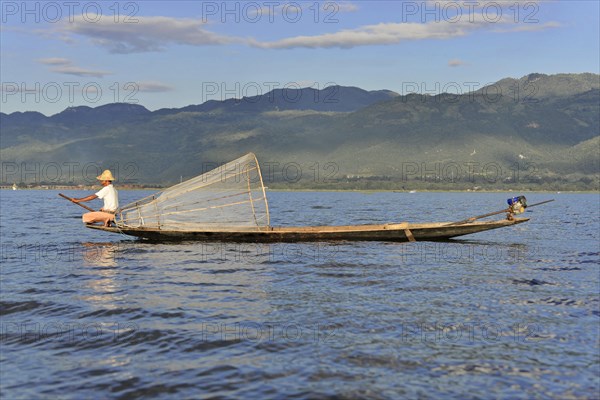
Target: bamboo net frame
pixel 229 197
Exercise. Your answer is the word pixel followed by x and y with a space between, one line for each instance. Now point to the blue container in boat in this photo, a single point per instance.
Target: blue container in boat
pixel 519 199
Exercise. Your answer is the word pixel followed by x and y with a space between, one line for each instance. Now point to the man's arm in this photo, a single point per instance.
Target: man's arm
pixel 83 199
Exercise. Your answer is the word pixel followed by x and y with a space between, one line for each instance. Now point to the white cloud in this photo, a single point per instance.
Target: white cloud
pixel 65 66
pixel 153 87
pixel 145 35
pixel 150 34
pixel 78 71
pixel 394 33
pixel 345 7
pixel 54 61
pixel 384 33
pixel 455 62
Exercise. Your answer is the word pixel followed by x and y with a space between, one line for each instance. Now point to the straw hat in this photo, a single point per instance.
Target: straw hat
pixel 106 176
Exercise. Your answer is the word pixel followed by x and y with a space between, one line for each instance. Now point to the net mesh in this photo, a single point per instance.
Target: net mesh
pixel 230 197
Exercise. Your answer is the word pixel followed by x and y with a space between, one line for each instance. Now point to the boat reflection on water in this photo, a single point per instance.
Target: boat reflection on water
pixel 101 260
pixel 100 254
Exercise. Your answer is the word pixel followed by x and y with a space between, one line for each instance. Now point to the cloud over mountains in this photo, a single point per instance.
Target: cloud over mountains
pixel 156 33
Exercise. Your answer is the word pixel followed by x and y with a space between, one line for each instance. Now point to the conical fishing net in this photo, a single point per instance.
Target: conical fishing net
pixel 230 197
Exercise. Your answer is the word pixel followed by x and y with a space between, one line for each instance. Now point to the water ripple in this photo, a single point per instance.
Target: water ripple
pixel 506 314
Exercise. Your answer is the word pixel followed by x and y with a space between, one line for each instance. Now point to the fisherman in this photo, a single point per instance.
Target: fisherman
pixel 109 194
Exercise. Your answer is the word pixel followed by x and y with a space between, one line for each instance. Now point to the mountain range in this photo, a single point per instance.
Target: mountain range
pixel 538 129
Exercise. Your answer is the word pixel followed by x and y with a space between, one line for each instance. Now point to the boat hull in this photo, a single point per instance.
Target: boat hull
pixel 401 232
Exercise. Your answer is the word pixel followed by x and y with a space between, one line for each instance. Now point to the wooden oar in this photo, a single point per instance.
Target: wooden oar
pixel 466 221
pixel 541 202
pixel 79 204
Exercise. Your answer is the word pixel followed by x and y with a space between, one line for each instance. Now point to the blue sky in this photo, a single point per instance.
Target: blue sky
pixel 171 54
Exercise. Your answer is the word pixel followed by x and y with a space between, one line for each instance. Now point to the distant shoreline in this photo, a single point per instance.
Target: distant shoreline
pixel 324 190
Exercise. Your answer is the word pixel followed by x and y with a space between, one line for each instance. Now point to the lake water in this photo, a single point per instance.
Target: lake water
pixel 511 313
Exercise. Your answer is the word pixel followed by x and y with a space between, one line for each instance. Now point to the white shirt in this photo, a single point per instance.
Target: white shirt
pixel 110 196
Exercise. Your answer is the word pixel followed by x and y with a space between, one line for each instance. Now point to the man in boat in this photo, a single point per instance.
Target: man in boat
pixel 109 194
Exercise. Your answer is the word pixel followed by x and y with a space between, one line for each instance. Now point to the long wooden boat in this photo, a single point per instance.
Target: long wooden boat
pixel 229 203
pixel 398 232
